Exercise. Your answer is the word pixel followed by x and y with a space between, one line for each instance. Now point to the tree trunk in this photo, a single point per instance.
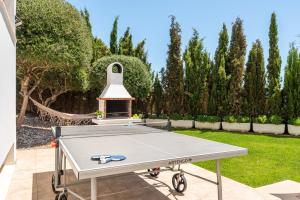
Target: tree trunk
pixel 25 94
pixel 22 111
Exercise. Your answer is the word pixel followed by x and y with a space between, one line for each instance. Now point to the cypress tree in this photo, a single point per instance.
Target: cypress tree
pixel 99 49
pixel 292 84
pixel 222 88
pixel 174 71
pixel 114 37
pixel 125 44
pixel 254 82
pixel 139 52
pixel 197 65
pixel 274 65
pixel 236 61
pixel 220 59
pixel 157 96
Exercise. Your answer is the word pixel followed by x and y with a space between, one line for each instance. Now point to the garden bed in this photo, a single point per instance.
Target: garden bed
pixel 268 128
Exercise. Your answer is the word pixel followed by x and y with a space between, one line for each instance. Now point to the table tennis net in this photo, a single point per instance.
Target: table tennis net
pixel 111 129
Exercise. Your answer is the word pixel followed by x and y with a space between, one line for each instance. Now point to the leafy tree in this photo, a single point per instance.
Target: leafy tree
pixel 174 71
pixel 236 61
pixel 59 81
pixel 125 44
pixel 53 35
pixel 114 37
pixel 254 82
pixel 291 89
pixel 99 49
pixel 137 78
pixel 157 96
pixel 274 65
pixel 197 65
pixel 217 89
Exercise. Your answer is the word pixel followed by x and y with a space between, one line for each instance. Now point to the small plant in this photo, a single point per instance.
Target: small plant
pixel 230 119
pixel 261 119
pixel 99 113
pixel 275 119
pixel 187 117
pixel 295 121
pixel 176 116
pixel 161 116
pixel 137 116
pixel 237 119
pixel 243 119
pixel 208 118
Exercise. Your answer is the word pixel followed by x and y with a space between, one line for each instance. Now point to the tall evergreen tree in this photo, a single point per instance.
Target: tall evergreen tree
pixel 220 59
pixel 125 44
pixel 114 37
pixel 197 65
pixel 222 83
pixel 157 96
pixel 140 52
pixel 99 49
pixel 254 93
pixel 274 65
pixel 86 15
pixel 291 89
pixel 174 71
pixel 236 62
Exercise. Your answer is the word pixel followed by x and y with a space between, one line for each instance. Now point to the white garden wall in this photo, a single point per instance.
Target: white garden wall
pixel 7 83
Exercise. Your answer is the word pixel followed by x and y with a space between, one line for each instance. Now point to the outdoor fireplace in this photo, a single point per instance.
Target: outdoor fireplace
pixel 115 101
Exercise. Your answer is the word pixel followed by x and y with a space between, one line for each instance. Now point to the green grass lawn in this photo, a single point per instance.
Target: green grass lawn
pixel 270 158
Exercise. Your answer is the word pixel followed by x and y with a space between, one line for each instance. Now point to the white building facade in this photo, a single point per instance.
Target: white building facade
pixel 7 82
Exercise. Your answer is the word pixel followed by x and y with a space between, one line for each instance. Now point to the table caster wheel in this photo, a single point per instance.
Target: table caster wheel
pixel 53 184
pixel 61 196
pixel 153 172
pixel 179 182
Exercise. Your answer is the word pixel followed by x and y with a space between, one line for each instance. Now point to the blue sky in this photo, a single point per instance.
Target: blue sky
pixel 150 19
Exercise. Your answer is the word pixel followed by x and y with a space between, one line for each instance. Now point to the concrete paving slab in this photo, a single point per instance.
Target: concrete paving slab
pixel 284 190
pixel 32 180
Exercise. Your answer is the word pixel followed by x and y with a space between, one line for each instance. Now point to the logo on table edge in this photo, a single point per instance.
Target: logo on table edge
pixel 180 161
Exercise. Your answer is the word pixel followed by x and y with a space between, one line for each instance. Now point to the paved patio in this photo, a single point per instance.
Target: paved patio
pixel 34 168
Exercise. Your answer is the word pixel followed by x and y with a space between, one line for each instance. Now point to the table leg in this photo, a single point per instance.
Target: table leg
pixel 93 189
pixel 219 180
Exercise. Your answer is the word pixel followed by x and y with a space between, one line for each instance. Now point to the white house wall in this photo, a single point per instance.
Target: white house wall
pixel 7 84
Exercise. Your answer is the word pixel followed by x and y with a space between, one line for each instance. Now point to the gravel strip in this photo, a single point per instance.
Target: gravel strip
pixel 33 133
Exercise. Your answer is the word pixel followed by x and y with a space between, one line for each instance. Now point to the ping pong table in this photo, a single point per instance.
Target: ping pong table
pixel 145 148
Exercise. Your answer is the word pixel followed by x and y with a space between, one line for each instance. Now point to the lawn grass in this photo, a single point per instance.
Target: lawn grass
pixel 270 158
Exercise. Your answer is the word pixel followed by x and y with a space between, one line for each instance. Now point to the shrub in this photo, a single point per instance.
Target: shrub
pixel 230 119
pixel 187 117
pixel 236 119
pixel 261 119
pixel 162 116
pixel 99 113
pixel 275 119
pixel 137 116
pixel 295 121
pixel 243 119
pixel 208 118
pixel 137 79
pixel 176 116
